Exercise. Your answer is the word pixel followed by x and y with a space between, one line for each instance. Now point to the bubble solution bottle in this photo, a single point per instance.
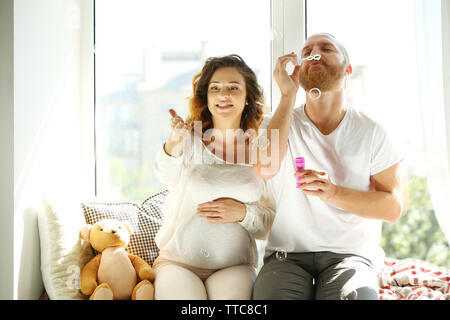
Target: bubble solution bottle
pixel 299 165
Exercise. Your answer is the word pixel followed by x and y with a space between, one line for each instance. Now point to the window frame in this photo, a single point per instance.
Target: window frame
pixel 289 20
pixel 288 26
pixel 87 97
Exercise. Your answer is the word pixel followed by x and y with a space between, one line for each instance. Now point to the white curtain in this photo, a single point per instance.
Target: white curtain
pixel 433 56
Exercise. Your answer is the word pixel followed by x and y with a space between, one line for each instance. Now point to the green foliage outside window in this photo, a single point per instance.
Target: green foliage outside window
pixel 417 233
pixel 133 186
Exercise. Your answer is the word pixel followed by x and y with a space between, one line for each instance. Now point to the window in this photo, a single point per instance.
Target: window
pixel 380 37
pixel 146 55
pixel 148 51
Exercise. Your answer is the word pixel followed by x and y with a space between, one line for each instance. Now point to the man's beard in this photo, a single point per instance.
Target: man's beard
pixel 325 79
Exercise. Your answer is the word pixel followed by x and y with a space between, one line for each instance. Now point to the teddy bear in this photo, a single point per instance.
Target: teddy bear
pixel 113 273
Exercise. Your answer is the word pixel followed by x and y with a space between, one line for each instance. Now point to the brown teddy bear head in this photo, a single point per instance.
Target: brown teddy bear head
pixel 107 233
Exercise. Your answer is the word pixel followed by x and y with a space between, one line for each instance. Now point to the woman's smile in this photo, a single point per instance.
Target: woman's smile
pixel 224 105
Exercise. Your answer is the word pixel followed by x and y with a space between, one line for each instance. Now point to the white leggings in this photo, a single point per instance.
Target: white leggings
pixel 175 281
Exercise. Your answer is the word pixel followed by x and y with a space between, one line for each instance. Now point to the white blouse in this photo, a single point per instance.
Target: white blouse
pixel 199 176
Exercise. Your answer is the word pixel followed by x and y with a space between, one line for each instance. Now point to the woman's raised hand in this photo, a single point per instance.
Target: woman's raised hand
pixel 180 130
pixel 179 127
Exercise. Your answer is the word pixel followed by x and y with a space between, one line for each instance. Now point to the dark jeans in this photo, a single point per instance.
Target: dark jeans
pixel 316 275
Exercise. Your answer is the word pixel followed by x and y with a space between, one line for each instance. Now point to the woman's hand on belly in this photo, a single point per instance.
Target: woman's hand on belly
pixel 222 210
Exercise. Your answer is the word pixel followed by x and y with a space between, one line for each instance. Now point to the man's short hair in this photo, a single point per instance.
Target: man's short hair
pixel 338 43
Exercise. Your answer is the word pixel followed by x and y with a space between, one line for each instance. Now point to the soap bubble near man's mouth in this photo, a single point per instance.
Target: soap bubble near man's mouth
pixel 315 57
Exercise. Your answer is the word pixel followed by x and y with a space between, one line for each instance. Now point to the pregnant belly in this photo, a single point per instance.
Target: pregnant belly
pixel 209 245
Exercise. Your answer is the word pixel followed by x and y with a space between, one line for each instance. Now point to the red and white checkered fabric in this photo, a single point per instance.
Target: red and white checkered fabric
pixel 412 279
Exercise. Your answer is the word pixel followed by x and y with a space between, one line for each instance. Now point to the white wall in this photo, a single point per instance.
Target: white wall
pixel 7 149
pixel 48 122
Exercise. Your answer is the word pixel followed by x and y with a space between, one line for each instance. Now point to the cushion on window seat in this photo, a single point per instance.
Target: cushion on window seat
pixel 145 218
pixel 64 254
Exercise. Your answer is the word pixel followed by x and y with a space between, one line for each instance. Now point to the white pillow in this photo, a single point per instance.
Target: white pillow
pixel 63 253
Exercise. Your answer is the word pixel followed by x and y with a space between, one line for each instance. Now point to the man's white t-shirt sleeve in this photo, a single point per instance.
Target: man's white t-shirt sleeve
pixel 384 154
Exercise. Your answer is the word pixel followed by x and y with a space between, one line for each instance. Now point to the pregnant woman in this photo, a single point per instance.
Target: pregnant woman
pixel 217 204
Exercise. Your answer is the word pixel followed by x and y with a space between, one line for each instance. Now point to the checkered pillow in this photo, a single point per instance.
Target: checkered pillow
pixel 154 204
pixel 146 220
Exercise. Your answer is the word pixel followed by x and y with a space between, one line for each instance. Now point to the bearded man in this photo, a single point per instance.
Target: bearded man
pixel 324 242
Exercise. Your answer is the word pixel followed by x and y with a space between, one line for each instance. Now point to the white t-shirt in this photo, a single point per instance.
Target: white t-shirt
pixel 357 149
pixel 199 176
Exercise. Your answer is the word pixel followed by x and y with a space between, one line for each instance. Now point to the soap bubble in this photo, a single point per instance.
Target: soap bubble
pixel 276 35
pixel 352 295
pixel 73 17
pixel 261 142
pixel 281 255
pixel 290 66
pixel 316 57
pixel 204 253
pixel 315 93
